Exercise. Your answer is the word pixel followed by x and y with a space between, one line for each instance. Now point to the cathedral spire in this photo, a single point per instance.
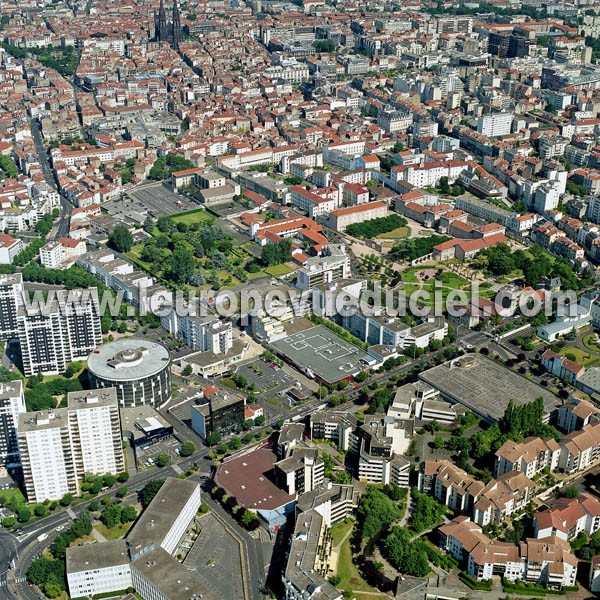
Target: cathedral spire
pixel 176 25
pixel 161 28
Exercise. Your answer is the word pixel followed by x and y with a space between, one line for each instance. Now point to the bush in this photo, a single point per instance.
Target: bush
pixel 485 585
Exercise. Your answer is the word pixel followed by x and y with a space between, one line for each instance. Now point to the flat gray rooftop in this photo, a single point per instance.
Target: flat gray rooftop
pixel 97 556
pixel 92 398
pixel 323 352
pixel 485 387
pixel 156 521
pixel 168 575
pixel 128 359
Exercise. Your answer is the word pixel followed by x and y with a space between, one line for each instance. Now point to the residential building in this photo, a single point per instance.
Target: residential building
pixel 531 456
pixel 575 414
pixel 568 517
pixel 53 336
pixel 333 501
pixel 95 429
pixel 546 561
pixel 579 449
pixel 301 471
pixel 58 447
pixel 12 404
pixel 11 297
pixel 9 248
pixel 495 124
pixel 334 426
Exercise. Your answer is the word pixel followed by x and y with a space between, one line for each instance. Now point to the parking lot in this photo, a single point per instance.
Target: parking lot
pixel 265 376
pixel 155 199
pixel 215 557
pixel 147 455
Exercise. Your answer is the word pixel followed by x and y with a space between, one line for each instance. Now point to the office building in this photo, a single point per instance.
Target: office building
pixel 12 404
pixel 166 518
pixel 140 371
pixel 53 336
pixel 219 411
pixel 98 569
pixel 58 447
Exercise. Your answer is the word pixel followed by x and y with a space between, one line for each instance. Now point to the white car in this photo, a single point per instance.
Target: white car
pixel 59 528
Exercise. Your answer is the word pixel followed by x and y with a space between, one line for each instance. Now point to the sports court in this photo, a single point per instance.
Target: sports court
pixel 321 351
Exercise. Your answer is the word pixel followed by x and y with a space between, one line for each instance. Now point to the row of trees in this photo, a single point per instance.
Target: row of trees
pixel 276 254
pixel 247 518
pixel 49 573
pixel 374 227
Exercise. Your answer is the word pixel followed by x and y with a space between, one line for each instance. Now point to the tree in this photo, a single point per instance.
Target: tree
pixel 571 491
pixel 376 511
pixel 23 514
pixel 187 370
pixel 213 438
pixel 259 420
pixel 181 266
pixel 234 443
pixel 120 239
pixel 122 492
pixel 187 448
pixel 150 490
pixel 163 459
pixel 52 590
pixel 408 556
pixel 128 514
pixel 123 477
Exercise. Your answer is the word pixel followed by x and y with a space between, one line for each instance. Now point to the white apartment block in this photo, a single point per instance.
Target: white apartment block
pixel 568 517
pixel 496 124
pixel 12 404
pixel 9 248
pixel 11 297
pixel 58 447
pixel 95 427
pixel 324 269
pixel 55 253
pixel 200 333
pixel 98 569
pixel 579 449
pixel 47 455
pixel 545 561
pixel 531 456
pixel 53 336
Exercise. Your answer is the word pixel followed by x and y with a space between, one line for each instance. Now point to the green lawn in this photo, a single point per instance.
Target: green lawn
pixel 581 356
pixel 449 281
pixel 114 533
pixel 278 270
pixel 396 234
pixel 350 578
pixel 589 341
pixel 193 216
pixel 12 494
pixel 339 530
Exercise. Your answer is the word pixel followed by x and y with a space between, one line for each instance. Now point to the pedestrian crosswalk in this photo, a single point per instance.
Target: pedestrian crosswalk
pixel 6 582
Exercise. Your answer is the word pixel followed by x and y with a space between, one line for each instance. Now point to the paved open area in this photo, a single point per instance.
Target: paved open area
pixel 485 387
pixel 319 351
pixel 155 199
pixel 215 556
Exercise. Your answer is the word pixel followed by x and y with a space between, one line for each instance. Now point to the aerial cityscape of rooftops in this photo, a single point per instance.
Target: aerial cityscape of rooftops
pixel 299 299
